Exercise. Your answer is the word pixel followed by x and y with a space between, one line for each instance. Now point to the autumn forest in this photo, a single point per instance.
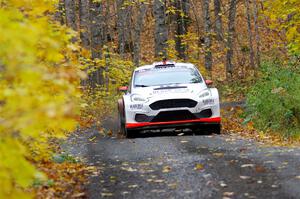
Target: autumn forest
pixel 61 62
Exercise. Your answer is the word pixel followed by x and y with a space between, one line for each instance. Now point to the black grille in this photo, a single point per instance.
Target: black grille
pixel 174 103
pixel 167 116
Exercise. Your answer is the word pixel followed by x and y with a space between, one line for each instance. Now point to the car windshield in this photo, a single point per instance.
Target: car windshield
pixel 156 77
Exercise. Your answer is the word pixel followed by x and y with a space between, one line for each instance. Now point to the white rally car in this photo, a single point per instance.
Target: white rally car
pixel 168 95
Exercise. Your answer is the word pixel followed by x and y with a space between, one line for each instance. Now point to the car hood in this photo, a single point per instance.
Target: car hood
pixel 155 91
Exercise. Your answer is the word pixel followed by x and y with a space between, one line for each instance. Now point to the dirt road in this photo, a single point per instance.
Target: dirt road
pixel 189 166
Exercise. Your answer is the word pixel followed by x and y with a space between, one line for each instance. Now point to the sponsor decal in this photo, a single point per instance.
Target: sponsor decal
pixel 136 106
pixel 208 101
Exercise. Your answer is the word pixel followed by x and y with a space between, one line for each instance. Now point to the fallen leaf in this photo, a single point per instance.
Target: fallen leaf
pixel 228 194
pixel 269 162
pixel 109 133
pixel 92 139
pixel 172 185
pixel 133 186
pixel 113 177
pixel 166 169
pixel 188 191
pixel 260 169
pixel 199 167
pixel 218 154
pixel 107 194
pixel 247 165
pixel 144 164
pixel 245 177
pixel 159 181
pixel 129 169
pixel 208 183
pixel 222 184
pixel 78 195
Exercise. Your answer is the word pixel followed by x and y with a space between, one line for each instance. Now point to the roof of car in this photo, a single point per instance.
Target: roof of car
pixel 165 64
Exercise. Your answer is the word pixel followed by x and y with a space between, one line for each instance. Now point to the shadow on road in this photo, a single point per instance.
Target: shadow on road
pixel 168 133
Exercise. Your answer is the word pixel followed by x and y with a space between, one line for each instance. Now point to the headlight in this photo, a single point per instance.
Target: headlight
pixel 204 94
pixel 138 98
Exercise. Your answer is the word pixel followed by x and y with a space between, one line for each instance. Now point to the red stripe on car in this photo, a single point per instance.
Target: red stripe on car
pixel 204 120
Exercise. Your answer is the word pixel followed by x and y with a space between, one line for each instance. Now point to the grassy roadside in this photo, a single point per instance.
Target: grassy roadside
pixel 233 124
pixel 234 119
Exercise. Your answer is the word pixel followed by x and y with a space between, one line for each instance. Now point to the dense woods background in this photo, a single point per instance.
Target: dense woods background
pixel 222 37
pixel 61 62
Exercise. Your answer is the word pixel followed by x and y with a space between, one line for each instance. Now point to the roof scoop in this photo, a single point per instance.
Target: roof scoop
pixel 164 64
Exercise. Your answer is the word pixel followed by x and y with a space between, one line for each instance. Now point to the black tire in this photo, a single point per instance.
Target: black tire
pixel 130 133
pixel 121 117
pixel 216 129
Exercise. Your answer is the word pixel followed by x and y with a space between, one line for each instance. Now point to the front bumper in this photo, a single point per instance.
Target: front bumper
pixel 148 116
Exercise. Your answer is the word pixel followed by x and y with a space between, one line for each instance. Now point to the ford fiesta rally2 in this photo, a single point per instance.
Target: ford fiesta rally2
pixel 168 95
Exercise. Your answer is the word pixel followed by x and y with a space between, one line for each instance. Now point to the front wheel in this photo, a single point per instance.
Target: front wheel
pixel 121 117
pixel 130 133
pixel 216 129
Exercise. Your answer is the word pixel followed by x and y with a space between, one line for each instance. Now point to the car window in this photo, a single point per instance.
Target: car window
pixel 155 77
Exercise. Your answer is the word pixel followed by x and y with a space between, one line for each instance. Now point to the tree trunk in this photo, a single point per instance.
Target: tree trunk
pixel 59 14
pixel 142 9
pixel 161 28
pixel 257 36
pixel 97 29
pixel 106 40
pixel 218 20
pixel 230 38
pixel 207 37
pixel 84 23
pixel 71 16
pixel 123 26
pixel 182 12
pixel 97 37
pixel 250 38
pixel 197 23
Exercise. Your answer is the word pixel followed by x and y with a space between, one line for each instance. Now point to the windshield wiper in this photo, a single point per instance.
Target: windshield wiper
pixel 141 85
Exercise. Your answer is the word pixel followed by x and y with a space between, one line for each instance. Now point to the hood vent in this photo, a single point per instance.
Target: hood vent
pixel 170 87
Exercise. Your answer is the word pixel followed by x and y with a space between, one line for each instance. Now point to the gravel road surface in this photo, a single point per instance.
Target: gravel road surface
pixel 190 166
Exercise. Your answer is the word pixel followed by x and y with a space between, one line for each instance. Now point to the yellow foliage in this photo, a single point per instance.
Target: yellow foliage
pixel 285 16
pixel 39 78
pixel 194 52
pixel 100 101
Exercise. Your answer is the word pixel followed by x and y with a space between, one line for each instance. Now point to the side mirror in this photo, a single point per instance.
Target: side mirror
pixel 123 88
pixel 209 82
